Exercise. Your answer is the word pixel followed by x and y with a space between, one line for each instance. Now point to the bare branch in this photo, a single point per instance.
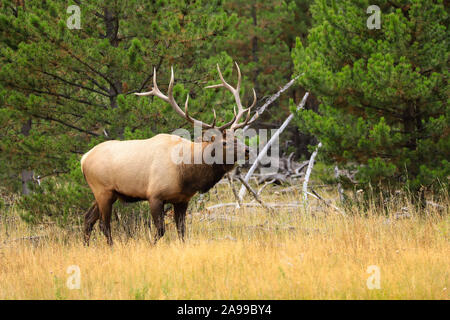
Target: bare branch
pixel 265 185
pixel 316 195
pixel 230 181
pixel 270 101
pixel 339 186
pixel 254 194
pixel 267 146
pixel 308 173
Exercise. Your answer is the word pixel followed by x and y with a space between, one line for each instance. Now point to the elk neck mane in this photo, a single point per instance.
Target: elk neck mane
pixel 201 177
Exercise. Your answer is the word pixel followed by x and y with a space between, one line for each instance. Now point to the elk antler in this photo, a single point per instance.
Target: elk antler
pixel 237 98
pixel 171 100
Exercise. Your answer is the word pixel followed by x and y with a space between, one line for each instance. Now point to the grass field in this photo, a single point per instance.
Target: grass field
pixel 238 254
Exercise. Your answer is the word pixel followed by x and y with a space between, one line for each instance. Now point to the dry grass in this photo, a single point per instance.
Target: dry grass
pixel 247 254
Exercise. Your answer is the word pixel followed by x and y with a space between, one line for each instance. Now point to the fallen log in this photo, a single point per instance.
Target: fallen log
pixel 256 204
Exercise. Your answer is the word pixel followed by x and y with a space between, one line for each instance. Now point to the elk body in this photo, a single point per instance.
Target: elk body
pixel 137 170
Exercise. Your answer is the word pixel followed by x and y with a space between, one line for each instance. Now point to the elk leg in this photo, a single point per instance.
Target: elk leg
pixel 90 219
pixel 105 203
pixel 180 218
pixel 157 212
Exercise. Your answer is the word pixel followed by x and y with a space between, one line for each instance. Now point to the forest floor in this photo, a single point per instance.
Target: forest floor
pixel 247 253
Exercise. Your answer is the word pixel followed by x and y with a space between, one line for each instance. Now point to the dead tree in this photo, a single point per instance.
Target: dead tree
pixel 308 173
pixel 269 143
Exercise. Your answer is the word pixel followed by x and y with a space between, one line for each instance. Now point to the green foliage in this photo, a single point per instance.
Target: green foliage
pixel 262 42
pixel 384 93
pixel 63 91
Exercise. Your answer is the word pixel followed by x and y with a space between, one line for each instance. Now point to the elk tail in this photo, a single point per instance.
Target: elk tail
pixel 90 218
pixel 92 211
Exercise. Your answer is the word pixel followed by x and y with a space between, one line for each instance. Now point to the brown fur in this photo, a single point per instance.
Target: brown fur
pixel 138 170
pixel 201 177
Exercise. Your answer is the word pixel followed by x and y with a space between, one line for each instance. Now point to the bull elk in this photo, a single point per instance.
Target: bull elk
pixel 137 170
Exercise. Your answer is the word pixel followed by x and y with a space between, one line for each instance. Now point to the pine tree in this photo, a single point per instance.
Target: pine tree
pixel 73 88
pixel 263 40
pixel 64 90
pixel 384 92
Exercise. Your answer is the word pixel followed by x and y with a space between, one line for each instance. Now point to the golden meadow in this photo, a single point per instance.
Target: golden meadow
pixel 247 253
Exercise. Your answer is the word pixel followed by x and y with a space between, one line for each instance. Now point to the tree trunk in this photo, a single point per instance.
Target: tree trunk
pixel 111 20
pixel 112 28
pixel 26 175
pixel 255 48
pixel 263 152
